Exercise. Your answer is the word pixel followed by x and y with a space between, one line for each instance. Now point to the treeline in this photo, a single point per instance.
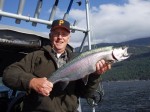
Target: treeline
pixel 137 67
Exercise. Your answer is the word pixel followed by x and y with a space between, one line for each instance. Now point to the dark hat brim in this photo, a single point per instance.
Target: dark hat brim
pixel 60 27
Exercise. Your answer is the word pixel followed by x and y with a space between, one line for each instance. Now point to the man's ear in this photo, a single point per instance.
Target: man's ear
pixel 69 38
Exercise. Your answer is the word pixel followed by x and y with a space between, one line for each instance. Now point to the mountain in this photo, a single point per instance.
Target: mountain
pixel 134 68
pixel 135 42
pixel 141 42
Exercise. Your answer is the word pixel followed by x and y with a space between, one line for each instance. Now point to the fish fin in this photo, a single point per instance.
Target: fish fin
pixel 85 79
pixel 110 61
pixel 64 84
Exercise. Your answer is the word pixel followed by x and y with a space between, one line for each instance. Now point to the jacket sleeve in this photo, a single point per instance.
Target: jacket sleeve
pixel 18 75
pixel 86 90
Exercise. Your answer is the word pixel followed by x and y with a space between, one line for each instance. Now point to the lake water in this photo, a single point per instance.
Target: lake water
pixel 123 96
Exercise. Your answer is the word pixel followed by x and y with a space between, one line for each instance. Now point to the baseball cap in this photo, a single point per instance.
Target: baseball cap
pixel 60 23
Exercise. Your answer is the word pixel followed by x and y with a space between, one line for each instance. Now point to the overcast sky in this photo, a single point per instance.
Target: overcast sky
pixel 116 23
pixel 110 20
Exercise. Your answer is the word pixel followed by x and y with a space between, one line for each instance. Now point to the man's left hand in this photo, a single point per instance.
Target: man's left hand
pixel 102 67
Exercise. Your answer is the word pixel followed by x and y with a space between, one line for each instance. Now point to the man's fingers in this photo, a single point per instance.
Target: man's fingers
pixel 47 88
pixel 41 85
pixel 44 91
pixel 109 66
pixel 47 84
pixel 102 66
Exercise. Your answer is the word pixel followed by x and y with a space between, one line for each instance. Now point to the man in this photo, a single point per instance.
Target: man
pixel 31 73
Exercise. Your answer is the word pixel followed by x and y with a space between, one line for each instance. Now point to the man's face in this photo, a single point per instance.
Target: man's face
pixel 60 38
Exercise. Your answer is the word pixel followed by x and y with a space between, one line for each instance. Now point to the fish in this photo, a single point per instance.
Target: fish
pixel 85 63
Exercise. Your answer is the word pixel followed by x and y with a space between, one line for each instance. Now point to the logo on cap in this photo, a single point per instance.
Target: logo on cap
pixel 61 22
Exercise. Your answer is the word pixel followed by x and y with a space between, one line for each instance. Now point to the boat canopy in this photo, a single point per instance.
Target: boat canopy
pixel 16 40
pixel 34 19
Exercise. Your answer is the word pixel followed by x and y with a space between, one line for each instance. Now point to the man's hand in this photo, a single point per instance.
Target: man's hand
pixel 41 85
pixel 102 66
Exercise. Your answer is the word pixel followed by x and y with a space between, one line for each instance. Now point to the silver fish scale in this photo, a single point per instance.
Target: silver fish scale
pixel 85 63
pixel 80 66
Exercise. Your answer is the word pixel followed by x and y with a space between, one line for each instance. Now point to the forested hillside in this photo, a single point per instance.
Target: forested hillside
pixel 137 67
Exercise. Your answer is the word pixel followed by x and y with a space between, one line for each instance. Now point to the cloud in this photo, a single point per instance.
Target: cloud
pixel 114 23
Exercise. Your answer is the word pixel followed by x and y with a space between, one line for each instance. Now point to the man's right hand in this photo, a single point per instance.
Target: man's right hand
pixel 41 85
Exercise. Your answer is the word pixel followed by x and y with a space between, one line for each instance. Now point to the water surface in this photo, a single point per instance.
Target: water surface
pixel 123 96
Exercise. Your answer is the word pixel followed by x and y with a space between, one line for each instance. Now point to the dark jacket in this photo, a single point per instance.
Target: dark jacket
pixel 41 64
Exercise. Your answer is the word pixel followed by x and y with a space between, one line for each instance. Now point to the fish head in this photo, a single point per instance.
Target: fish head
pixel 120 53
